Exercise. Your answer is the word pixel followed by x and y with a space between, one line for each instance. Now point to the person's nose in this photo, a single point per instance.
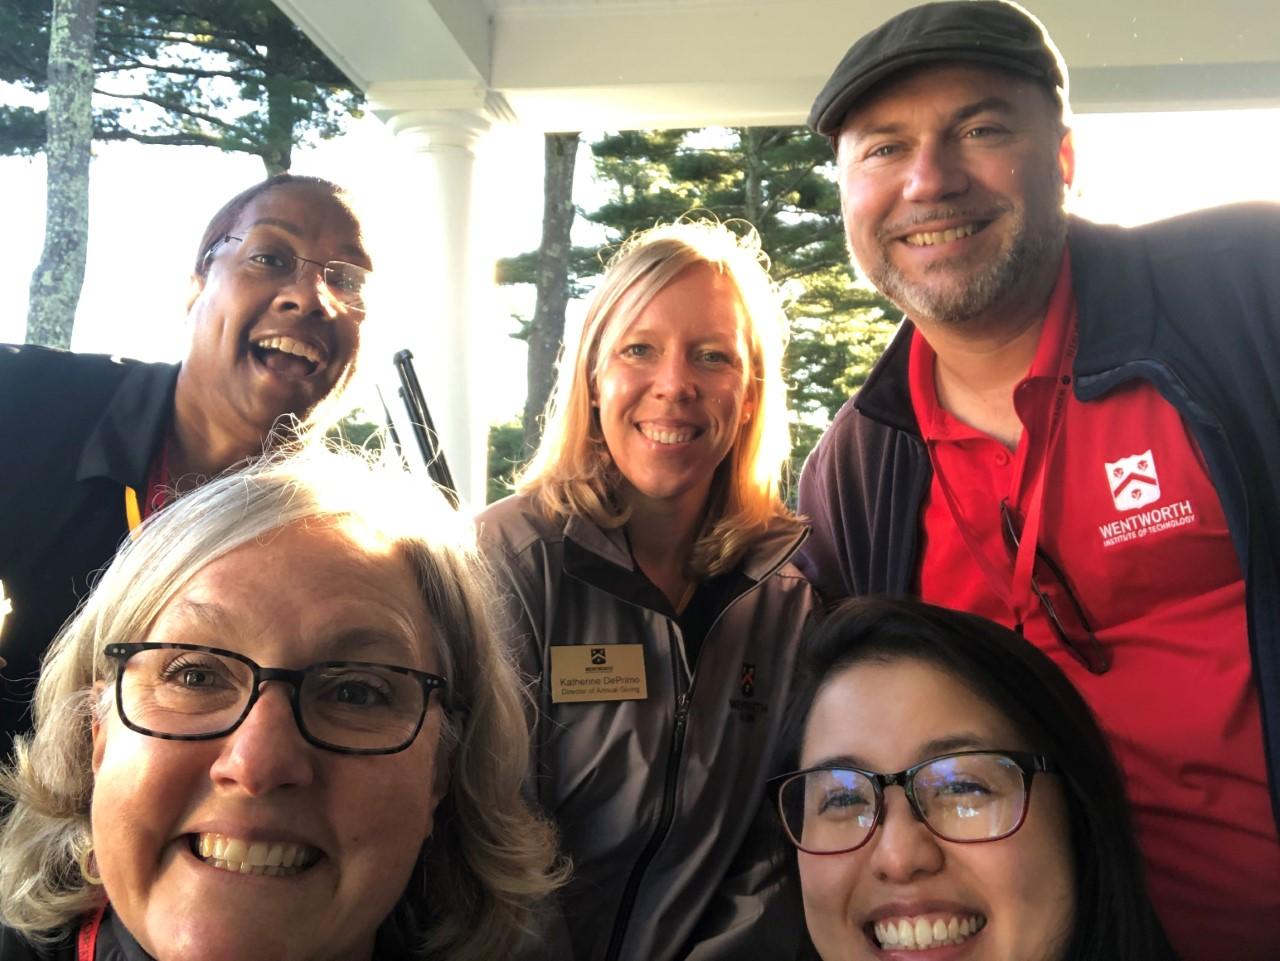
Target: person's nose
pixel 267 751
pixel 903 849
pixel 674 378
pixel 935 173
pixel 308 293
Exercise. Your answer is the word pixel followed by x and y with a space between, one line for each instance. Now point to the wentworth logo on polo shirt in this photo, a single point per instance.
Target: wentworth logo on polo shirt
pixel 1135 484
pixel 1133 481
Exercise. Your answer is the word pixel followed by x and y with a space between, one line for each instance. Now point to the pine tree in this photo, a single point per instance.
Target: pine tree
pixel 233 74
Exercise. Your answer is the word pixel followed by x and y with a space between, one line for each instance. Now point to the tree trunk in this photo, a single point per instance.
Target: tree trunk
pixel 546 332
pixel 282 112
pixel 753 175
pixel 56 282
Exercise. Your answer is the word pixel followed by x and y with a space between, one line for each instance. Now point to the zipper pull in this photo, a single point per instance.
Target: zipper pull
pixel 682 707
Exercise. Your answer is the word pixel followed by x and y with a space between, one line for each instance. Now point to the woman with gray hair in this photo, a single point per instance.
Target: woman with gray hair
pixel 280 727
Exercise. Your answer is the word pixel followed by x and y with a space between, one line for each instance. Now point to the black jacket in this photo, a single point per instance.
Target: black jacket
pixel 1191 305
pixel 75 430
pixel 114 943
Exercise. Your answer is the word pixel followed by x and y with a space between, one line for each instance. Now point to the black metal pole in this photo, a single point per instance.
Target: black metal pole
pixel 424 429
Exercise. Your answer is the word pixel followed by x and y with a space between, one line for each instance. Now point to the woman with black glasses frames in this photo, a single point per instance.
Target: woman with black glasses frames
pixel 281 727
pixel 952 793
pixel 93 444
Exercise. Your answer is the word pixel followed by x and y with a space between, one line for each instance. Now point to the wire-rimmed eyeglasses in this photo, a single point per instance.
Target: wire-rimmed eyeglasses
pixel 967 797
pixel 187 692
pixel 1088 650
pixel 274 260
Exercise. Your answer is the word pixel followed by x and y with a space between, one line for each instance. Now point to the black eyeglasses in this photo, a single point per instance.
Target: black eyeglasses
pixel 273 260
pixel 185 692
pixel 1083 644
pixel 968 797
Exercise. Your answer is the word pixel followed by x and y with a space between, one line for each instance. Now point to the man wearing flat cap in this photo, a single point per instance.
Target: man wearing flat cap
pixel 1076 432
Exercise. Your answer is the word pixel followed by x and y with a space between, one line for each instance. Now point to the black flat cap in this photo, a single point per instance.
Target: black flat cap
pixel 989 32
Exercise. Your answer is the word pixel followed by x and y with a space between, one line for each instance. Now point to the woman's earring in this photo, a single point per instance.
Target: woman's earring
pixel 89 865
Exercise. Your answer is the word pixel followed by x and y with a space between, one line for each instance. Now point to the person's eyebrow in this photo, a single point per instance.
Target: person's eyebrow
pixel 208 614
pixel 991 104
pixel 380 644
pixel 887 129
pixel 353 644
pixel 841 761
pixel 355 251
pixel 286 225
pixel 962 741
pixel 649 331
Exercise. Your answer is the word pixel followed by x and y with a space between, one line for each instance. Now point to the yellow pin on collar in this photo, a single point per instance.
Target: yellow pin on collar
pixel 132 510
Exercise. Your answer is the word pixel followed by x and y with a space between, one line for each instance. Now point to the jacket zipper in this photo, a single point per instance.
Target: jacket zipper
pixel 665 816
pixel 667 813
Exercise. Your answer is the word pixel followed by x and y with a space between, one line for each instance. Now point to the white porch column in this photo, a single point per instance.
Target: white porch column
pixel 440 210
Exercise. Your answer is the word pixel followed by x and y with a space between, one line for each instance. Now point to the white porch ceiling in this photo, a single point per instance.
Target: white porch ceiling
pixel 613 64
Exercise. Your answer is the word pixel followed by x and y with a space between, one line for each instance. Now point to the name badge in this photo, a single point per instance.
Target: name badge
pixel 601 672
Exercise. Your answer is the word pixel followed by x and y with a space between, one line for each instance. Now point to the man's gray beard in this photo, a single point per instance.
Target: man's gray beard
pixel 1031 249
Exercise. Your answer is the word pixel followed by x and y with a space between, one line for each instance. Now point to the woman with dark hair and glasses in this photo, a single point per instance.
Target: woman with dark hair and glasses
pixel 281 727
pixel 94 444
pixel 953 793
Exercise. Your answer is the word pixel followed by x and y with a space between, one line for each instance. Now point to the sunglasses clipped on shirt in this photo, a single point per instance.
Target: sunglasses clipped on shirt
pixel 1080 642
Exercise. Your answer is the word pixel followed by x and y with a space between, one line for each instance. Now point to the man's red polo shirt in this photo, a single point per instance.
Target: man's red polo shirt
pixel 1132 520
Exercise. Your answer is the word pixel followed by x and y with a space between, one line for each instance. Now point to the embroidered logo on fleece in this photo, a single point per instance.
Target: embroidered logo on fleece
pixel 747 707
pixel 1134 485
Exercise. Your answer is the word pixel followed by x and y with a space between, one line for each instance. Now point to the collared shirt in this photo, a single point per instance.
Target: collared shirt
pixel 75 431
pixel 97 937
pixel 1132 520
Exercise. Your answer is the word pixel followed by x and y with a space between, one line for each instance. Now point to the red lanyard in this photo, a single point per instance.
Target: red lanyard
pixel 87 939
pixel 1017 594
pixel 135 511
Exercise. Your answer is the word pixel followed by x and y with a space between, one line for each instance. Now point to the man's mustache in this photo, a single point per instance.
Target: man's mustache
pixel 925 218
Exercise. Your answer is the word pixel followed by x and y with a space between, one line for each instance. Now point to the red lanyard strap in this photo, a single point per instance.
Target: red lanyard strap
pixel 1018 594
pixel 87 939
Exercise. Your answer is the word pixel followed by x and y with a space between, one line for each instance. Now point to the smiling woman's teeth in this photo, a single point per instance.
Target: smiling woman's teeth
pixel 277 859
pixel 287 345
pixel 682 436
pixel 941 236
pixel 917 934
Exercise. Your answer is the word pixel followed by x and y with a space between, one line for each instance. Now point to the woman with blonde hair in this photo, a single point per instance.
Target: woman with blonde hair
pixel 280 727
pixel 646 553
